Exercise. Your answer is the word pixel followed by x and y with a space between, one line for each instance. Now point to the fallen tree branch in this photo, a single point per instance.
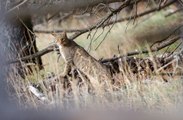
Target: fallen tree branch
pixel 174 31
pixel 155 49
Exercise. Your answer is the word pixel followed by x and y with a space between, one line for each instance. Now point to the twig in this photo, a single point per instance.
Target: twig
pixel 99 35
pixel 17 6
pixel 176 48
pixel 51 17
pixel 174 12
pixel 176 56
pixel 65 17
pixel 180 1
pixel 104 36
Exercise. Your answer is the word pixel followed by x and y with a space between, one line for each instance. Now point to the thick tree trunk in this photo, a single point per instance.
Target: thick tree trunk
pixel 22 41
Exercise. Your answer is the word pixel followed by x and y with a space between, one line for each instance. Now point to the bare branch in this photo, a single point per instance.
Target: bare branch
pixel 38 54
pixel 140 14
pixel 18 5
pixel 109 23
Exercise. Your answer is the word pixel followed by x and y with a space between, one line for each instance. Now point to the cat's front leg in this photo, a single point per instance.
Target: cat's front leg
pixel 67 69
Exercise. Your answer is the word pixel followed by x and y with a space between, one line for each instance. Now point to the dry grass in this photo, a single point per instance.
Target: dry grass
pixel 152 94
pixel 147 93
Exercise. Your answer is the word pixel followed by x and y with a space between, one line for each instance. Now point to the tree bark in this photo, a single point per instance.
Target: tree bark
pixel 21 42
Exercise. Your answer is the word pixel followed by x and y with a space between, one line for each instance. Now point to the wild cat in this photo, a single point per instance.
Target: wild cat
pixel 76 56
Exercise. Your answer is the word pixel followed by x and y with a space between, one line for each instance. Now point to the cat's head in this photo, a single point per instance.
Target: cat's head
pixel 61 39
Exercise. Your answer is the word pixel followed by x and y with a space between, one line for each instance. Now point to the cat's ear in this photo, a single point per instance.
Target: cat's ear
pixel 64 34
pixel 54 34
